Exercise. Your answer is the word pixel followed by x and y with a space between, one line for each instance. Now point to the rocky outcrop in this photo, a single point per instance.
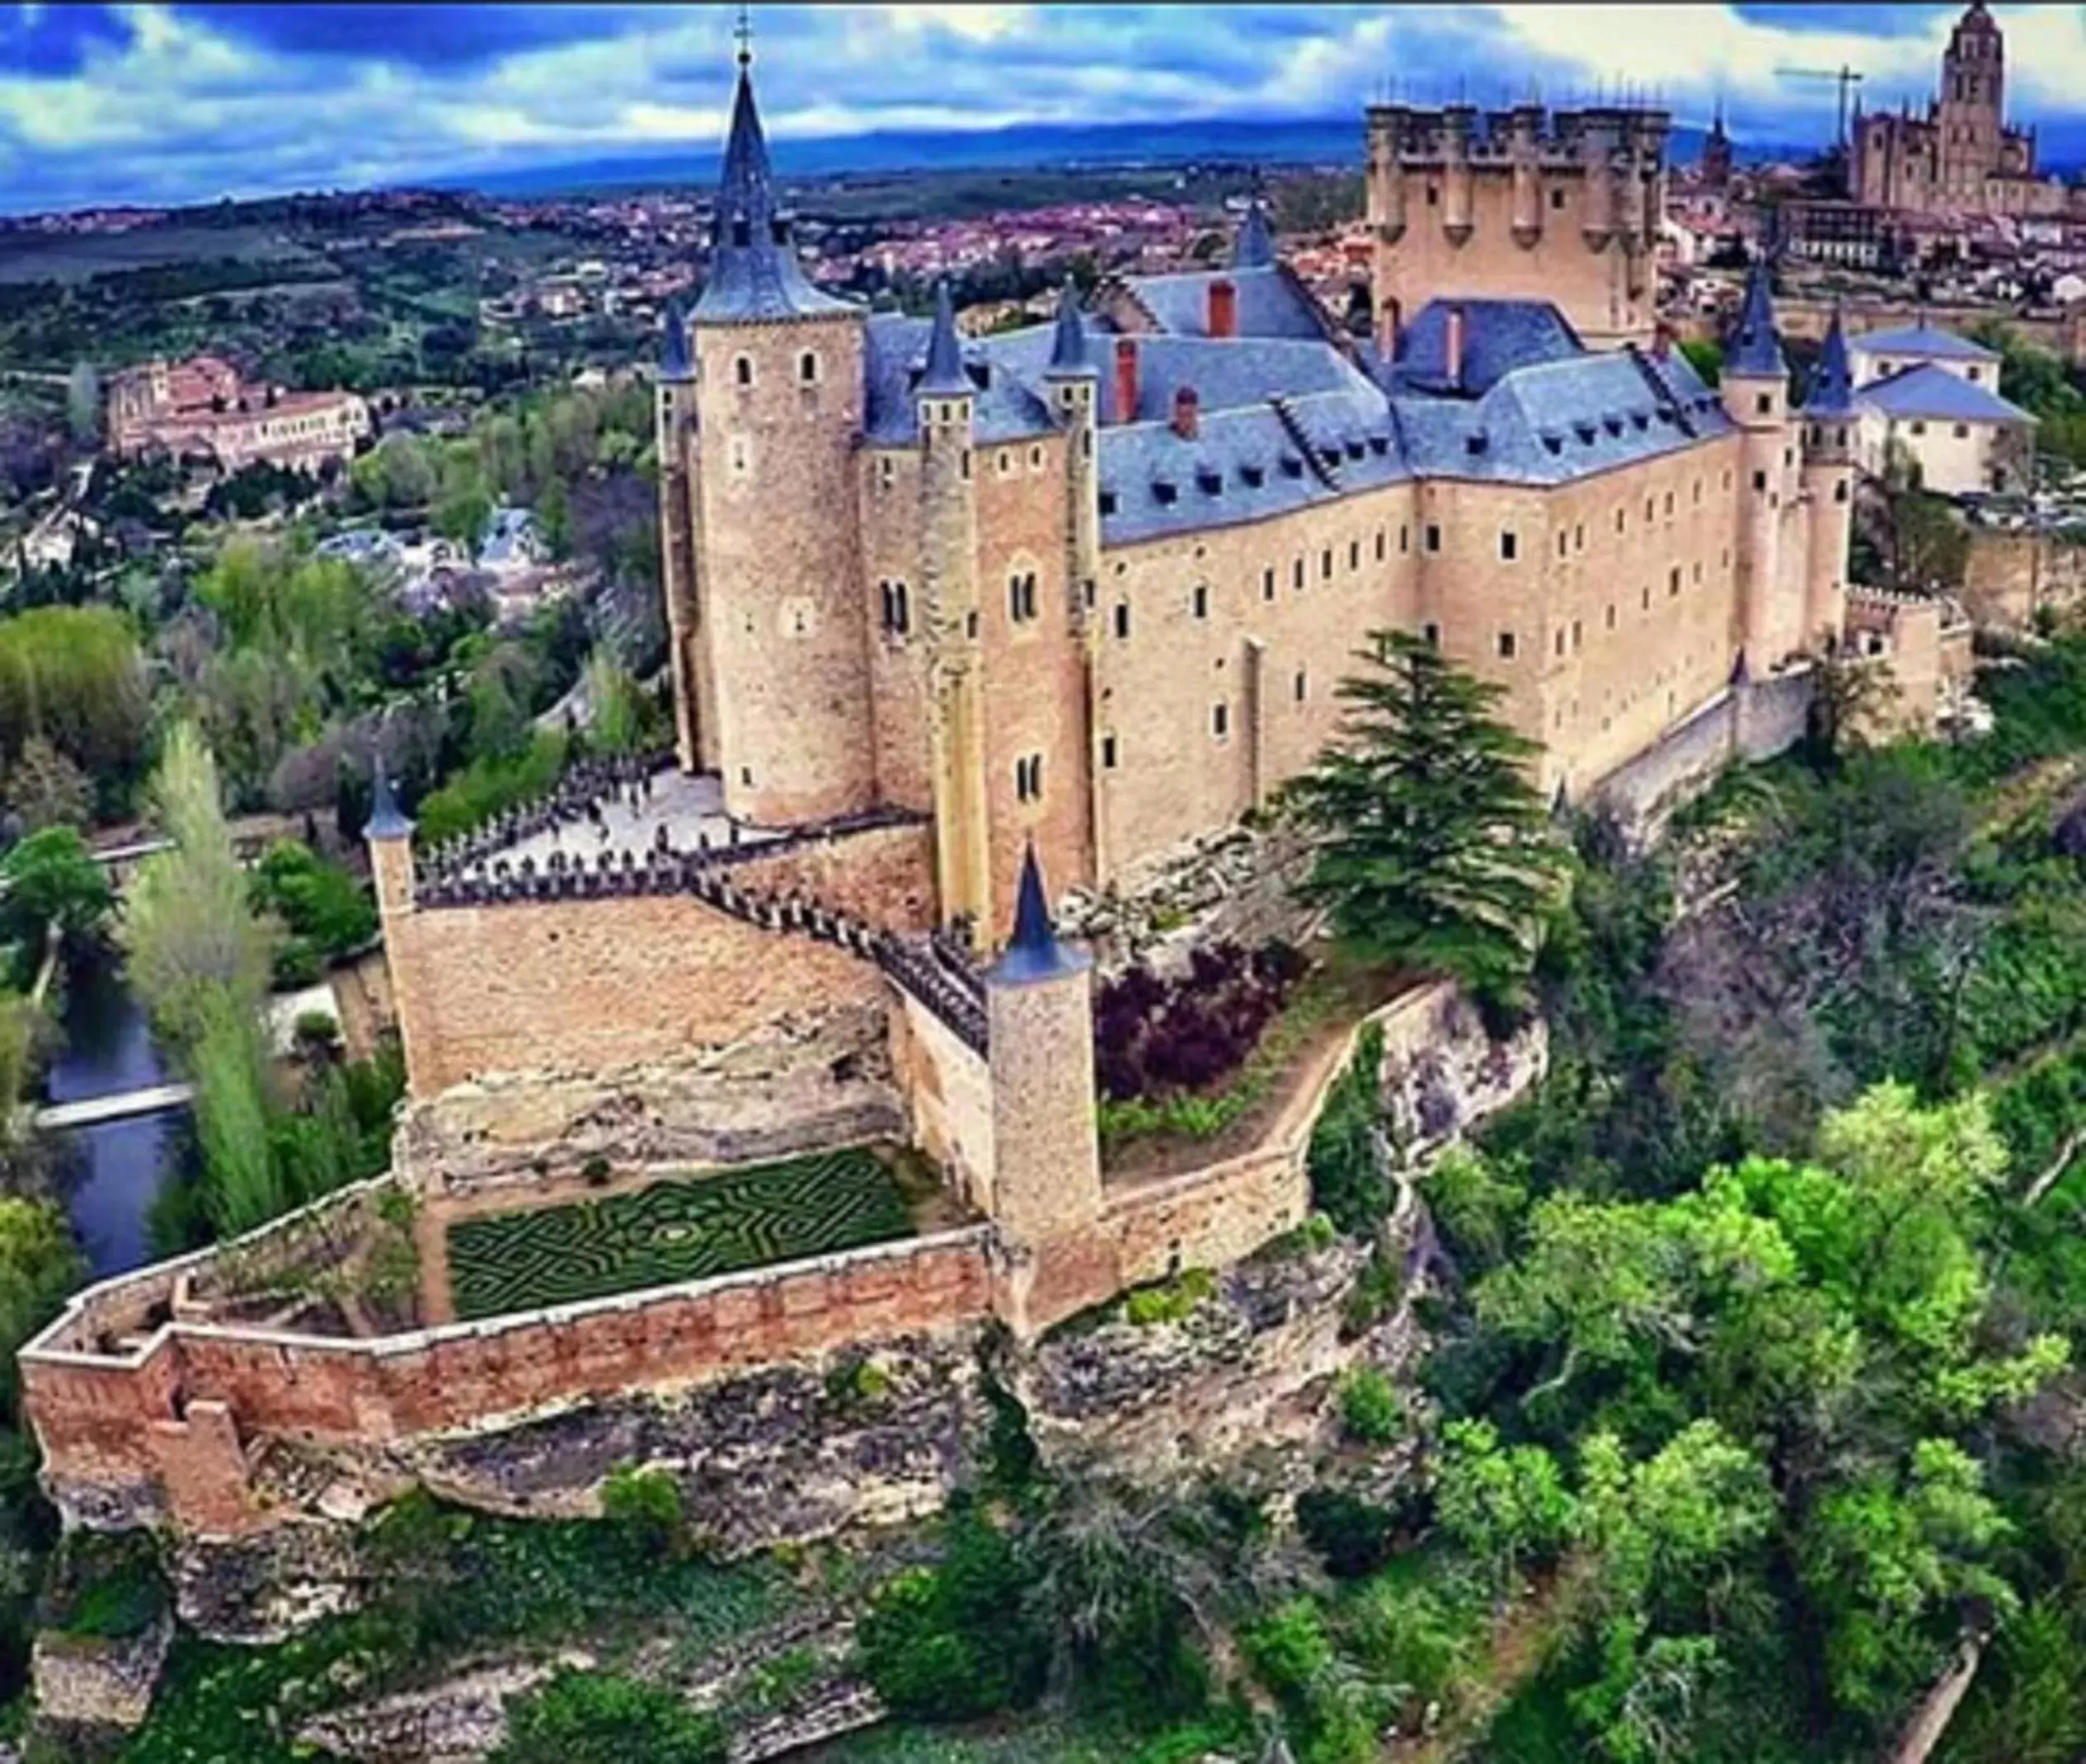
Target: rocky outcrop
pixel 1238 884
pixel 1442 1073
pixel 797 1084
pixel 98 1684
pixel 266 1586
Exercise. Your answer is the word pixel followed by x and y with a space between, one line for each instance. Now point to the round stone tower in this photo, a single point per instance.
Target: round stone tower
pixel 778 397
pixel 1755 389
pixel 673 401
pixel 1829 420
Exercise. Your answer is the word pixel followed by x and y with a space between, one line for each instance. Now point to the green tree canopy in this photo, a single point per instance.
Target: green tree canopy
pixel 1432 846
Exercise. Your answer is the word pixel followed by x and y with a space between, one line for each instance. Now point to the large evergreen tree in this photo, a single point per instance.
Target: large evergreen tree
pixel 1433 847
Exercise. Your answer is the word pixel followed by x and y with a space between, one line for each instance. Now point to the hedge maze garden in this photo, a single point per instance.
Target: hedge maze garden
pixel 674 1230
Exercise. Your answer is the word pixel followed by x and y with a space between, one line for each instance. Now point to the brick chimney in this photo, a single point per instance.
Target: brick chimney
pixel 1125 380
pixel 1453 348
pixel 1224 308
pixel 1187 412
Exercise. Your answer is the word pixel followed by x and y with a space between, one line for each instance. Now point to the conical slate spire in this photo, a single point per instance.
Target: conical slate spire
pixel 1033 953
pixel 674 349
pixel 1254 248
pixel 1754 349
pixel 386 821
pixel 1069 336
pixel 1832 387
pixel 945 376
pixel 754 271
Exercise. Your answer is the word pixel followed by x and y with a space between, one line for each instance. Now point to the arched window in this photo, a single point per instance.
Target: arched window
pixel 742 369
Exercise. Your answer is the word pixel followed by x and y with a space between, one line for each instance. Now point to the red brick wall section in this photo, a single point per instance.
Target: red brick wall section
pixel 111 1425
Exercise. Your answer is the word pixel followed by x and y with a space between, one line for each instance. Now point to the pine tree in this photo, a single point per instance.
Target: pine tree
pixel 1433 847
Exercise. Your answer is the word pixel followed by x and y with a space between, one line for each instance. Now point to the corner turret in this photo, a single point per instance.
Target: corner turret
pixel 1254 248
pixel 1755 389
pixel 1829 416
pixel 945 376
pixel 1756 348
pixel 390 835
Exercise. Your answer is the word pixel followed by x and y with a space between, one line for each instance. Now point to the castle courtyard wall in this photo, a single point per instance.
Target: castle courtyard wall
pixel 165 1431
pixel 948 1087
pixel 522 985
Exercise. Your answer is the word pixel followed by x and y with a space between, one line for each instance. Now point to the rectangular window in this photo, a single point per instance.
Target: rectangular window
pixel 884 473
pixel 1267 583
pixel 1122 618
pixel 1296 573
pixel 1673 580
pixel 1028 778
pixel 1021 598
pixel 1434 536
pixel 1579 538
pixel 1620 520
pixel 1577 636
pixel 1611 615
pixel 1404 538
pixel 1201 601
pixel 1432 632
pixel 1354 554
pixel 1508 544
pixel 1962 431
pixel 1107 752
pixel 1219 720
pixel 1302 686
pixel 1380 545
pixel 1557 641
pixel 1759 481
pixel 1763 403
pixel 1669 502
pixel 1325 564
pixel 1506 646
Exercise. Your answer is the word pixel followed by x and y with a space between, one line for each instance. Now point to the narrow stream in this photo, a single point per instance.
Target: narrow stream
pixel 112 1172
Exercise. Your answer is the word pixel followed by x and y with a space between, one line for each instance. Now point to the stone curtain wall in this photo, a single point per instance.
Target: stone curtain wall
pixel 2008 575
pixel 1753 721
pixel 589 984
pixel 151 1435
pixel 948 1086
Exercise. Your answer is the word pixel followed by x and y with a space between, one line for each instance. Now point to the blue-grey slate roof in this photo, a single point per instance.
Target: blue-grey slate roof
pixel 1068 335
pixel 752 272
pixel 1254 247
pixel 673 364
pixel 1930 341
pixel 1931 392
pixel 1831 391
pixel 1754 350
pixel 943 372
pixel 1498 336
pixel 1005 408
pixel 1269 302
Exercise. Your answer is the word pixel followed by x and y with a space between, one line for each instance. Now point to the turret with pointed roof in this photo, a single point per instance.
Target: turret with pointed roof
pixel 754 274
pixel 1755 351
pixel 1033 953
pixel 1832 387
pixel 387 820
pixel 1068 335
pixel 945 377
pixel 1254 248
pixel 673 363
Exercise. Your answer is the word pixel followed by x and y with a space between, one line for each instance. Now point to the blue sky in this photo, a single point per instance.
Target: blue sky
pixel 154 103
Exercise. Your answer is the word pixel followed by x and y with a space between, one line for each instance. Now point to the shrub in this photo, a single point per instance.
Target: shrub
pixel 1351 1536
pixel 1169 1301
pixel 1347 1184
pixel 1370 1408
pixel 1374 1294
pixel 1154 1036
pixel 604 1718
pixel 648 1502
pixel 949 1643
pixel 105 1584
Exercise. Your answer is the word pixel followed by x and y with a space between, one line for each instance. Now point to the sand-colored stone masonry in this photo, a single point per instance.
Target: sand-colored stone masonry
pixel 888 491
pixel 2009 576
pixel 1543 222
pixel 1198 605
pixel 587 984
pixel 1035 672
pixel 781 566
pixel 948 1089
pixel 882 876
pixel 113 1425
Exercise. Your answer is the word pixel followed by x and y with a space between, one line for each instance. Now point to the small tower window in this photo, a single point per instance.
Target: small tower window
pixel 1434 536
pixel 1296 573
pixel 1380 545
pixel 1219 721
pixel 1201 600
pixel 1509 546
pixel 742 369
pixel 1430 633
pixel 1506 646
pixel 1107 752
pixel 1354 554
pixel 1325 564
pixel 1267 583
pixel 1028 778
pixel 807 368
pixel 1763 403
pixel 884 472
pixel 1020 597
pixel 1404 538
pixel 1557 198
pixel 1122 618
pixel 1302 686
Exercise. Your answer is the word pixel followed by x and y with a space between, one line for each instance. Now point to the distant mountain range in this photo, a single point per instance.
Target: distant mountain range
pixel 1329 141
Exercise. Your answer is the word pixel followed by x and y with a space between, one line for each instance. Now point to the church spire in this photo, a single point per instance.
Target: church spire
pixel 754 274
pixel 1254 248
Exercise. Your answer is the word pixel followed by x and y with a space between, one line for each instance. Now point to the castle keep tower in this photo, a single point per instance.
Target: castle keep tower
pixel 1829 420
pixel 780 627
pixel 1513 212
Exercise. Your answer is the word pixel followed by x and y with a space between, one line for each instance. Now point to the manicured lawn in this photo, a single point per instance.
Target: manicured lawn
pixel 676 1229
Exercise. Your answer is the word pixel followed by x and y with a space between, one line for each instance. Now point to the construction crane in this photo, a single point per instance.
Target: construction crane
pixel 1844 74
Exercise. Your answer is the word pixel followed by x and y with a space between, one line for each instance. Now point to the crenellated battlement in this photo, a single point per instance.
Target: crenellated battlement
pixel 1557 138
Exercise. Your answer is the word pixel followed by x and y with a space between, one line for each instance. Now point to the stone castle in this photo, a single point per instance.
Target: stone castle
pixel 202 408
pixel 1960 157
pixel 949 618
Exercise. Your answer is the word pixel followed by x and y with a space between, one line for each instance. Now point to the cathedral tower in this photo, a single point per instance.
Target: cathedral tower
pixel 1971 108
pixel 781 627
